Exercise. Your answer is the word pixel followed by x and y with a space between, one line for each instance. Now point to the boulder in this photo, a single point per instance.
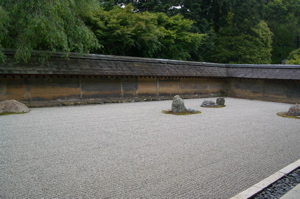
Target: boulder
pixel 13 106
pixel 220 101
pixel 178 105
pixel 294 110
pixel 208 103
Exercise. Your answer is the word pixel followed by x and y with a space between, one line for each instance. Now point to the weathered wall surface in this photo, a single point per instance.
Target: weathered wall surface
pixel 82 79
pixel 270 90
pixel 47 91
pixel 148 87
pixel 203 87
pixel 38 88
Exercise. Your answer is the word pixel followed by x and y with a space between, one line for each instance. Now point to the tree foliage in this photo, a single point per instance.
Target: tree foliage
pixel 283 18
pixel 177 41
pixel 213 17
pixel 235 31
pixel 3 31
pixel 122 31
pixel 252 47
pixel 48 25
pixel 294 57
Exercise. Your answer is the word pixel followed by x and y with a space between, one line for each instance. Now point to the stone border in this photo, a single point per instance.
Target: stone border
pixel 267 182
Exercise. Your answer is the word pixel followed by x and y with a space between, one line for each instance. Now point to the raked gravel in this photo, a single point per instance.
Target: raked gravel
pixel 133 150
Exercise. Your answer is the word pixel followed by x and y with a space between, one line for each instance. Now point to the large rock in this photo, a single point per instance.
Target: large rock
pixel 178 105
pixel 294 110
pixel 208 103
pixel 13 106
pixel 220 101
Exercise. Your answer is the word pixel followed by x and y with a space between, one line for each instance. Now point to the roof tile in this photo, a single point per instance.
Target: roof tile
pixel 102 65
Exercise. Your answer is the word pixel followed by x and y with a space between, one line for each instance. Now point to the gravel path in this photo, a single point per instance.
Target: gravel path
pixel 135 151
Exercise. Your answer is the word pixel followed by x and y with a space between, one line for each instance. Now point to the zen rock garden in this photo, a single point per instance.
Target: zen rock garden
pixel 12 107
pixel 178 107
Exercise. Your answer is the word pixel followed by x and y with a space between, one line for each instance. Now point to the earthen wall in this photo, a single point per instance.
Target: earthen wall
pixel 104 79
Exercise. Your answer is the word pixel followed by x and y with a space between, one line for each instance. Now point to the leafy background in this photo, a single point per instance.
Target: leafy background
pixel 223 31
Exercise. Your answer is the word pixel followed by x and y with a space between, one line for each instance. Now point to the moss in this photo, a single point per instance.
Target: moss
pixel 218 106
pixel 285 114
pixel 182 113
pixel 10 113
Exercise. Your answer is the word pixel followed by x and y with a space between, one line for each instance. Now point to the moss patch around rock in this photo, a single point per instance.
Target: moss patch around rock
pixel 182 113
pixel 10 113
pixel 285 114
pixel 218 106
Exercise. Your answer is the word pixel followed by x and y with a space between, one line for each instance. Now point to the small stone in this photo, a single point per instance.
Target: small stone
pixel 220 101
pixel 191 110
pixel 207 103
pixel 13 106
pixel 178 105
pixel 294 110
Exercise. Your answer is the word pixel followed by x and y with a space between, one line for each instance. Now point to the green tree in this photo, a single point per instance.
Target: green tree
pixel 294 57
pixel 241 39
pixel 282 17
pixel 189 9
pixel 209 17
pixel 122 31
pixel 48 25
pixel 178 42
pixel 144 5
pixel 253 47
pixel 3 31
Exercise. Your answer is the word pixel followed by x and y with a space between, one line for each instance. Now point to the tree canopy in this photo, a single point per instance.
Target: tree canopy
pixel 3 30
pixel 252 47
pixel 46 25
pixel 225 31
pixel 121 31
pixel 294 57
pixel 214 17
pixel 283 18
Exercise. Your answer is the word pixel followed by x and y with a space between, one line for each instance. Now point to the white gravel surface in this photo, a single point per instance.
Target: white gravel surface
pixel 133 150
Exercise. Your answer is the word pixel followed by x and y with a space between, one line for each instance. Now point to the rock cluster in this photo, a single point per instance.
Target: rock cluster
pixel 209 103
pixel 294 110
pixel 178 105
pixel 13 106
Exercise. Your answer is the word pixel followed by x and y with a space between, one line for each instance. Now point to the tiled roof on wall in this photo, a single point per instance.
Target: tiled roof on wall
pixel 106 65
pixel 263 71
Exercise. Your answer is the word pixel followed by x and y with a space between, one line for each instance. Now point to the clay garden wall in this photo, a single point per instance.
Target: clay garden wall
pixel 52 91
pixel 287 91
pixel 104 79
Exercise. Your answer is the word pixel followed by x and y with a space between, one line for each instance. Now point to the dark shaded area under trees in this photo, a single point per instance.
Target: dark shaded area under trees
pixel 224 31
